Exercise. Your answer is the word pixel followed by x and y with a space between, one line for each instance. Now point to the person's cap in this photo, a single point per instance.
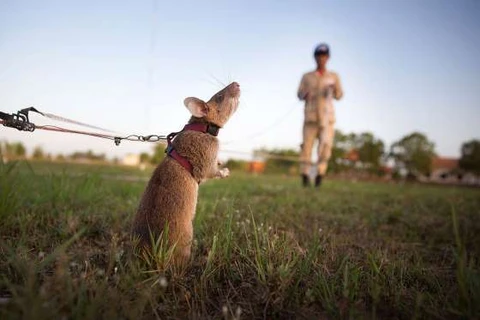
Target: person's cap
pixel 322 48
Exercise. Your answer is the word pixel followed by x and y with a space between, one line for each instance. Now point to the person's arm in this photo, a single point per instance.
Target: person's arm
pixel 338 91
pixel 302 92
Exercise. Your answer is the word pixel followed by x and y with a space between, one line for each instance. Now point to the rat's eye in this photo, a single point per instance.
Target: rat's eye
pixel 219 98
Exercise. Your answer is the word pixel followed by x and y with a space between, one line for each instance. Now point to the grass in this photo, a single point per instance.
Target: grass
pixel 104 169
pixel 264 248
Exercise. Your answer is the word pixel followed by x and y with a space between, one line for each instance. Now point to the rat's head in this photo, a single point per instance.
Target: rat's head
pixel 219 108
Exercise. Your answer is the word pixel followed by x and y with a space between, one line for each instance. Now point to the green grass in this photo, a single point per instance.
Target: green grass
pixel 264 248
pixel 103 169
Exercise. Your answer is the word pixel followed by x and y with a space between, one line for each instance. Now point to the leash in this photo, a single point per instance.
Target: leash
pixel 21 122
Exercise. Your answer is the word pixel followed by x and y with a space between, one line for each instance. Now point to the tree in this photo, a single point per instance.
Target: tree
pixel 158 153
pixel 370 150
pixel 413 153
pixel 470 159
pixel 92 156
pixel 38 153
pixel 88 155
pixel 9 149
pixel 14 149
pixel 144 157
pixel 234 164
pixel 367 148
pixel 338 151
pixel 18 149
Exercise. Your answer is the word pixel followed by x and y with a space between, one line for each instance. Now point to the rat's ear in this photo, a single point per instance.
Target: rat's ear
pixel 198 108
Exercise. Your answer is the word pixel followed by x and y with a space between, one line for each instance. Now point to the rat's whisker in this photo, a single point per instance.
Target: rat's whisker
pixel 211 82
pixel 217 80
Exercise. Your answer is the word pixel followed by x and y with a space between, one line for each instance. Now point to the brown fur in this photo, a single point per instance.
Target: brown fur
pixel 171 194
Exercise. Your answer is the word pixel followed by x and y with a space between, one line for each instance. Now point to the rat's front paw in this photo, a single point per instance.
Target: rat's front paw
pixel 223 173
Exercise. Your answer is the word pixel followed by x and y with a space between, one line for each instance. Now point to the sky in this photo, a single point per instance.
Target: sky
pixel 127 66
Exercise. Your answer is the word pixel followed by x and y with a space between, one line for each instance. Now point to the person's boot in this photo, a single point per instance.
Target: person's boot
pixel 305 180
pixel 318 180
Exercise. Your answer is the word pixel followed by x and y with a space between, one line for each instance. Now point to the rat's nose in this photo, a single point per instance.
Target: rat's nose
pixel 235 86
pixel 234 89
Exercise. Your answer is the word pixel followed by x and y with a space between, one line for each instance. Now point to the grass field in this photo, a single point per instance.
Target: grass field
pixel 264 248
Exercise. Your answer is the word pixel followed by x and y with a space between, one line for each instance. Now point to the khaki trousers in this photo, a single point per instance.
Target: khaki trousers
pixel 325 135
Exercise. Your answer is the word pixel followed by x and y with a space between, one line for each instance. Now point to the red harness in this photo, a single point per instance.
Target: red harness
pixel 200 127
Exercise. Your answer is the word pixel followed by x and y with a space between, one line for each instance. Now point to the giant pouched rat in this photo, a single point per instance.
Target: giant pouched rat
pixel 170 198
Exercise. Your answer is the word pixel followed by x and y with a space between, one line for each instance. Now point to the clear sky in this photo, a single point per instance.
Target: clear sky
pixel 127 65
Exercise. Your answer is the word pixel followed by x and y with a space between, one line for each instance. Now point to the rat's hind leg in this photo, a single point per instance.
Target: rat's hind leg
pixel 182 239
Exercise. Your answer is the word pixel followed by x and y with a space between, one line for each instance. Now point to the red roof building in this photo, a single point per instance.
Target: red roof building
pixel 440 163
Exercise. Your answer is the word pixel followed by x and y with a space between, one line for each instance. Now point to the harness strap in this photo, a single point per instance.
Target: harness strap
pixel 200 127
pixel 183 162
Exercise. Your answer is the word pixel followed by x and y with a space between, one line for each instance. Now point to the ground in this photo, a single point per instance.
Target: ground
pixel 264 248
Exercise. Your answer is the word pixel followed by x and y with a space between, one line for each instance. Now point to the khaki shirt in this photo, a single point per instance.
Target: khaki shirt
pixel 318 91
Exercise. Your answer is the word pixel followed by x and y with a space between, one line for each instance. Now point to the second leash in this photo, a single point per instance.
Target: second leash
pixel 21 122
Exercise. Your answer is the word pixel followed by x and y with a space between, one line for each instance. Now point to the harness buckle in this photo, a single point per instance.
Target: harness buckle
pixel 169 149
pixel 213 129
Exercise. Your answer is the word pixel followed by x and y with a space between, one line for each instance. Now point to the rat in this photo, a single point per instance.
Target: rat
pixel 170 197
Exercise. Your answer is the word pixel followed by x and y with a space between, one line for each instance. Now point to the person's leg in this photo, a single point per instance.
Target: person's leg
pixel 324 151
pixel 310 133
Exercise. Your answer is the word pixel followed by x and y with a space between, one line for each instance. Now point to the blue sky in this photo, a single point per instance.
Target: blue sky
pixel 127 65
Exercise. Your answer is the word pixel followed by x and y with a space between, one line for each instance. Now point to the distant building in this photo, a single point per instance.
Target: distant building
pixel 352 156
pixel 256 166
pixel 471 179
pixel 447 170
pixel 131 160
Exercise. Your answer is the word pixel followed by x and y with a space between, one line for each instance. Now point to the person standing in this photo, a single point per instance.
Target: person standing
pixel 318 88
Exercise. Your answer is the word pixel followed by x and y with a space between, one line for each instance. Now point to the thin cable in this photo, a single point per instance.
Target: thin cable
pixel 63 119
pixel 59 129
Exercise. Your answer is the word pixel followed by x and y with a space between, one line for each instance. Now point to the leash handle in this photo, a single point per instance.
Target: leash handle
pixel 5 116
pixel 17 120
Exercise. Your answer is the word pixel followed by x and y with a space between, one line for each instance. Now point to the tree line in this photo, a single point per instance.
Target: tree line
pixel 411 155
pixel 16 150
